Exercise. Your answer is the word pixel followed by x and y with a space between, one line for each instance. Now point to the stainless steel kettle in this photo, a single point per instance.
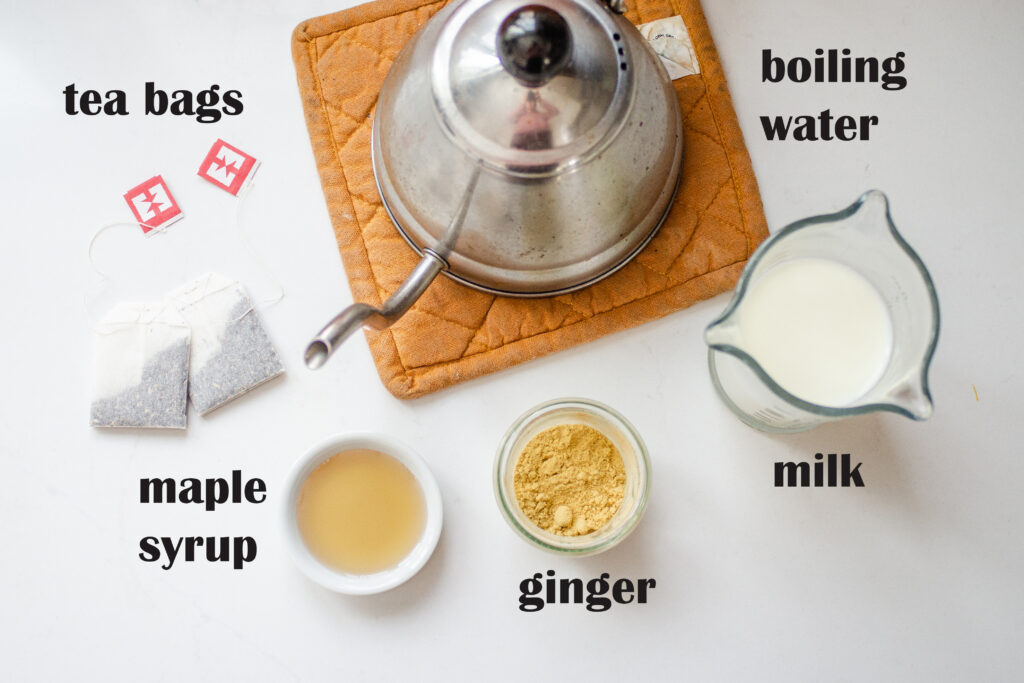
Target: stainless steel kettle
pixel 522 148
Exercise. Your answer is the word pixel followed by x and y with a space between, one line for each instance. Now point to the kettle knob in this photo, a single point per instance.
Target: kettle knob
pixel 534 44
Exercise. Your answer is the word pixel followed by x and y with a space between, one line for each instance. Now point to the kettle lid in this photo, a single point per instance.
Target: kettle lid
pixel 531 86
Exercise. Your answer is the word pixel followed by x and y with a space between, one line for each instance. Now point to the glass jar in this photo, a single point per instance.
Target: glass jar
pixel 625 439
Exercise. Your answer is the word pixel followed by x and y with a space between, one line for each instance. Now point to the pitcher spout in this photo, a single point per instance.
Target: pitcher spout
pixel 722 333
pixel 913 399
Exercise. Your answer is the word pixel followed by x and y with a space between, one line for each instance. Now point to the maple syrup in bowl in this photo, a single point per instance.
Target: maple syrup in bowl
pixel 362 513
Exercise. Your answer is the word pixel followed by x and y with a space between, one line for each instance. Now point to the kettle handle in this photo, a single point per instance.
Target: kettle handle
pixel 359 314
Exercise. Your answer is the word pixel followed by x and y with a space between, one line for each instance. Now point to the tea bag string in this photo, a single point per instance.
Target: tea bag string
pixel 154 230
pixel 141 318
pixel 204 288
pixel 251 250
pixel 104 276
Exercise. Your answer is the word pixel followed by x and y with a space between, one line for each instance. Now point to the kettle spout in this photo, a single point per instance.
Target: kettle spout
pixel 358 315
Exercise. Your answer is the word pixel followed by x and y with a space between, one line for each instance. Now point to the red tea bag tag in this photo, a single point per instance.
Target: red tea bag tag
pixel 228 167
pixel 153 204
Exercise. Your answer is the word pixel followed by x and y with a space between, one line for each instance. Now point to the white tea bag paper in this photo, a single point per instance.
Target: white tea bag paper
pixel 141 367
pixel 231 351
pixel 671 41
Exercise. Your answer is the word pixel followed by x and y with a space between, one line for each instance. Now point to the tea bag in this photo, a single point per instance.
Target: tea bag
pixel 231 352
pixel 141 367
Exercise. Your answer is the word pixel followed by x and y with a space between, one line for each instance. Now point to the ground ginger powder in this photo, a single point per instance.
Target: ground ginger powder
pixel 569 480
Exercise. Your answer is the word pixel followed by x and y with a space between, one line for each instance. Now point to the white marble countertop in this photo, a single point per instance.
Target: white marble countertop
pixel 917 576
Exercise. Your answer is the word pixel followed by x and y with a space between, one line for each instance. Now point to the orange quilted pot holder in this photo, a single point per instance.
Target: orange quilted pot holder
pixel 454 333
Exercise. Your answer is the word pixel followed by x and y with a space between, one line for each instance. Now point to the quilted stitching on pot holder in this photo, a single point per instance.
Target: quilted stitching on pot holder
pixel 454 333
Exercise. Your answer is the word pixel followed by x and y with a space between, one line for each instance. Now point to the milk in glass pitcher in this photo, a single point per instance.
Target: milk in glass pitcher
pixel 833 316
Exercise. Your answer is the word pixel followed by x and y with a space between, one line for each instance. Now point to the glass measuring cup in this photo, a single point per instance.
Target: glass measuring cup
pixel 861 239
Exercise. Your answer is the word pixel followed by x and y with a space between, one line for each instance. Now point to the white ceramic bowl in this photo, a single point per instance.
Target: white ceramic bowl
pixel 362 584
